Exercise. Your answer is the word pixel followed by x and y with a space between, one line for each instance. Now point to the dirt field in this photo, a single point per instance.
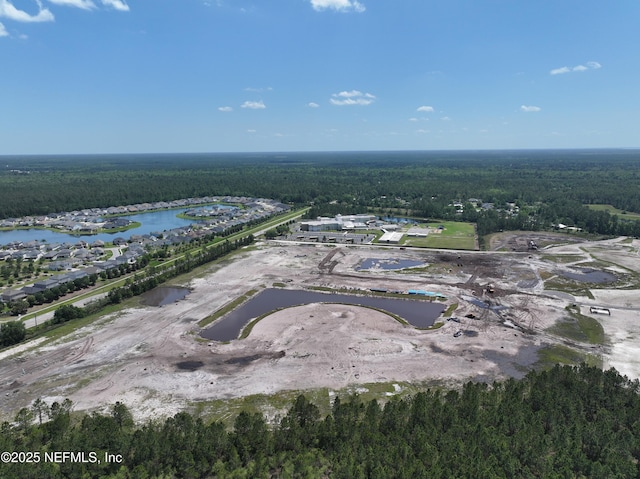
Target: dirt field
pixel 151 358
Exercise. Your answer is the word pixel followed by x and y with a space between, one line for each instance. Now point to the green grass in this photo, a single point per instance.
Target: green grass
pixel 416 270
pixel 433 327
pixel 456 235
pixel 557 353
pixel 591 327
pixel 320 288
pixel 580 328
pixel 624 215
pixel 450 310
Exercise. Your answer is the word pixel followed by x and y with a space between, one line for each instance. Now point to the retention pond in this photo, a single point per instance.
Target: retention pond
pixel 420 314
pixel 163 295
pixel 588 275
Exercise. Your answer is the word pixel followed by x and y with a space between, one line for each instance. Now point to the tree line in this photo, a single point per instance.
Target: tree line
pixel 561 423
pixel 549 185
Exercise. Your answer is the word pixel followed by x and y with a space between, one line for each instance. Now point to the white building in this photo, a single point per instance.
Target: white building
pixel 338 223
pixel 391 237
pixel 418 232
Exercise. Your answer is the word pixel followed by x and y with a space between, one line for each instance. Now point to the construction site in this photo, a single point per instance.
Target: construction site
pixel 500 313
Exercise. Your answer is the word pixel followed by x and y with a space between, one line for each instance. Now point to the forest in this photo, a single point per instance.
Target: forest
pixel 567 422
pixel 549 186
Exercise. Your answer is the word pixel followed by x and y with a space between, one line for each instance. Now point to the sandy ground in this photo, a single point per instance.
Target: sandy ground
pixel 150 358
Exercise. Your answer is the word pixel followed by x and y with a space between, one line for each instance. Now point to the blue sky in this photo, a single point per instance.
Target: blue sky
pixel 117 76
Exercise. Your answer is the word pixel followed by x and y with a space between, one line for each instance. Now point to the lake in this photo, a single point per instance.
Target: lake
pixel 151 222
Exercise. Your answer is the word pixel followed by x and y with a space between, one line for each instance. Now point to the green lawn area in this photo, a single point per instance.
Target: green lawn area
pixel 455 235
pixel 580 328
pixel 623 215
pixel 558 353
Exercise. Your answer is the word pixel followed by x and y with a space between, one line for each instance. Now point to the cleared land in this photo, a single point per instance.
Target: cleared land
pixel 152 358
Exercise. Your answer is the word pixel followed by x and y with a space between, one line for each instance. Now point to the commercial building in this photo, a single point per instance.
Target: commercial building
pixel 338 223
pixel 391 237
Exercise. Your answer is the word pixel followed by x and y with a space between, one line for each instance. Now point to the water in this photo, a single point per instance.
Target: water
pixel 163 295
pixel 154 221
pixel 388 264
pixel 420 314
pixel 587 275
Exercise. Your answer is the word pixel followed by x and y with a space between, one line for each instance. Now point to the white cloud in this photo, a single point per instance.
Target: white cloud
pixel 530 108
pixel 445 118
pixel 84 4
pixel 348 94
pixel 7 10
pixel 253 105
pixel 116 5
pixel 425 108
pixel 353 97
pixel 313 104
pixel 577 68
pixel 3 31
pixel 225 108
pixel 413 118
pixel 338 5
pixel 251 131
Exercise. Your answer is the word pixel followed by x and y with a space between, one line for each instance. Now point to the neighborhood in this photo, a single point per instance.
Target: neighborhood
pixel 82 261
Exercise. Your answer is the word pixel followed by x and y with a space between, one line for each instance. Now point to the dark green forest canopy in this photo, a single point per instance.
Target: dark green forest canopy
pixel 46 184
pixel 567 422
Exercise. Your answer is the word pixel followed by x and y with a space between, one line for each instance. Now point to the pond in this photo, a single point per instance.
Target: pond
pixel 588 275
pixel 420 314
pixel 388 264
pixel 163 295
